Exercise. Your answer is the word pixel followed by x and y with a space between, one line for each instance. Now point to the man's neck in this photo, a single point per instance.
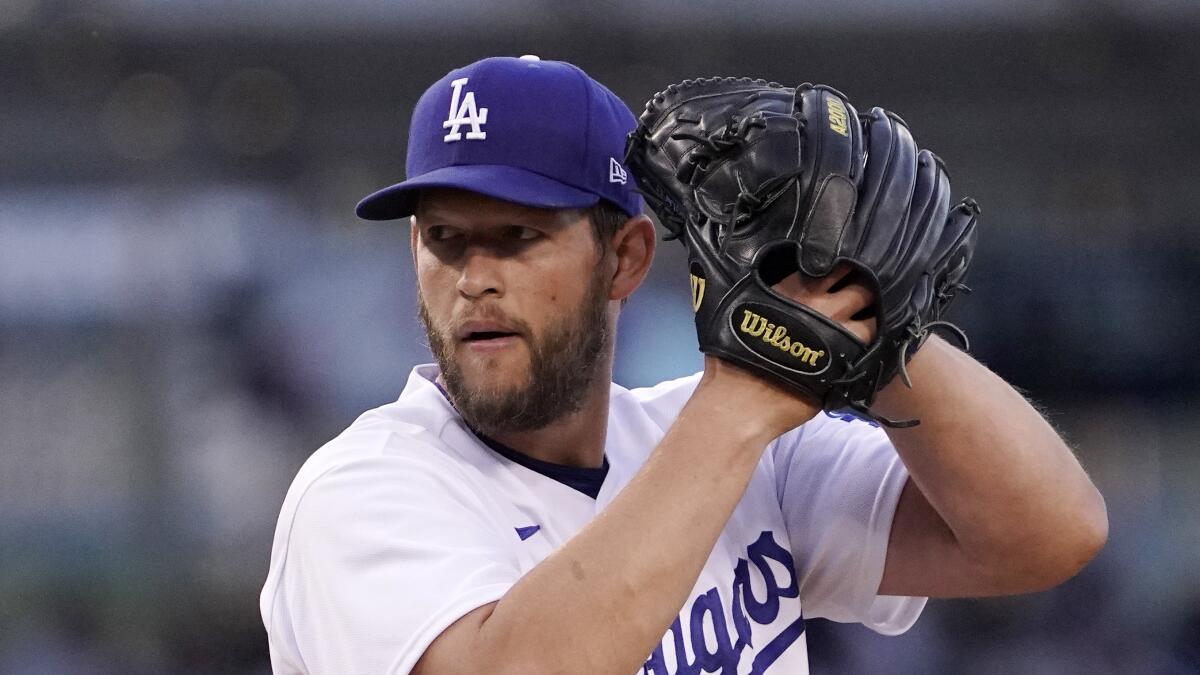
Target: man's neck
pixel 575 440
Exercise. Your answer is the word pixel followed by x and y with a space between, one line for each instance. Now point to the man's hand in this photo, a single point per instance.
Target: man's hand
pixel 842 298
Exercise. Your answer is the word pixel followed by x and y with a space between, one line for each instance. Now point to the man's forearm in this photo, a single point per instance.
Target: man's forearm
pixel 603 601
pixel 1011 492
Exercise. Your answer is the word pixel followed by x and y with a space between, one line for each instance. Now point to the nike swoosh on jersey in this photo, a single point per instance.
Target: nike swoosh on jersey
pixel 527 532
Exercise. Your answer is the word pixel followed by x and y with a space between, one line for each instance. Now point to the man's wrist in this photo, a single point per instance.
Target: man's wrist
pixel 761 409
pixel 899 401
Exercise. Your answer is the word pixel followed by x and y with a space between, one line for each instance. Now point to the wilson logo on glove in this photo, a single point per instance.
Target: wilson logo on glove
pixel 774 334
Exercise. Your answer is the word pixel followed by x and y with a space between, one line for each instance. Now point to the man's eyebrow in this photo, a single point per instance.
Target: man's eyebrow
pixel 432 216
pixel 425 212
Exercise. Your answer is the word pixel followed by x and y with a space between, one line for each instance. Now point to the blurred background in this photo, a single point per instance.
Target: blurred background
pixel 189 308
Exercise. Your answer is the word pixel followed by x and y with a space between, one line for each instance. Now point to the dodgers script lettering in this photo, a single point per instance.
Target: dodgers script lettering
pixel 694 652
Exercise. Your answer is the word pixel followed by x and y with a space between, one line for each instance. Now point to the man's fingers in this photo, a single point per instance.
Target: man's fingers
pixel 800 288
pixel 864 329
pixel 843 296
pixel 856 302
pixel 838 277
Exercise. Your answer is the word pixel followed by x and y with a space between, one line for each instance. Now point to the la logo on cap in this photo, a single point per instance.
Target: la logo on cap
pixel 464 113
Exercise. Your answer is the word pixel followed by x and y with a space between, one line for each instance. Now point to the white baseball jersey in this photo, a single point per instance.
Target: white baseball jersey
pixel 407 521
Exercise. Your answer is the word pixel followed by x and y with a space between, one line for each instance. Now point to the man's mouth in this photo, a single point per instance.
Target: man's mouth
pixel 485 332
pixel 481 336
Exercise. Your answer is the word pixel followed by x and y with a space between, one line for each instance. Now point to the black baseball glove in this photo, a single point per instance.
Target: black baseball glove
pixel 760 181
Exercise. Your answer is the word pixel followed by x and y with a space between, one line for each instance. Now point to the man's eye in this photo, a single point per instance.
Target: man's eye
pixel 439 233
pixel 522 233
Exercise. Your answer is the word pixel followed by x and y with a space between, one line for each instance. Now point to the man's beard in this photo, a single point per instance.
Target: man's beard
pixel 563 366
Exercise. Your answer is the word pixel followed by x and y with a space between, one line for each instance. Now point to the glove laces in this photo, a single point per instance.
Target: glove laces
pixel 915 334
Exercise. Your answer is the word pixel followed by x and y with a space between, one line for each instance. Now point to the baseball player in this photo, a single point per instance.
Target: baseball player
pixel 514 511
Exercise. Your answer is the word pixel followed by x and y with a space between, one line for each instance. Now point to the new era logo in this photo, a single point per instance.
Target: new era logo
pixel 463 112
pixel 616 172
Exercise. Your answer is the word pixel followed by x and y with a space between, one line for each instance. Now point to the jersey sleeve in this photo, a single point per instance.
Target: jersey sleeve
pixel 838 481
pixel 383 553
pixel 662 402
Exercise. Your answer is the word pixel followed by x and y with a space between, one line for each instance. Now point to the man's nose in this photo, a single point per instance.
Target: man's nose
pixel 481 273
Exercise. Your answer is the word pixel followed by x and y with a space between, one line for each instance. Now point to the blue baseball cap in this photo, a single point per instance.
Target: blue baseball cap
pixel 533 132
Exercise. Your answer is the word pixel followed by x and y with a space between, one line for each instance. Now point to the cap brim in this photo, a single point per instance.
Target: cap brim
pixel 501 182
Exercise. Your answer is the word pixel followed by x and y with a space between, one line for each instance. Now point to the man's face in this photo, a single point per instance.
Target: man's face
pixel 514 302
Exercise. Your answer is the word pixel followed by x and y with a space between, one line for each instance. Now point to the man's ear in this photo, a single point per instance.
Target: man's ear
pixel 633 244
pixel 412 238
